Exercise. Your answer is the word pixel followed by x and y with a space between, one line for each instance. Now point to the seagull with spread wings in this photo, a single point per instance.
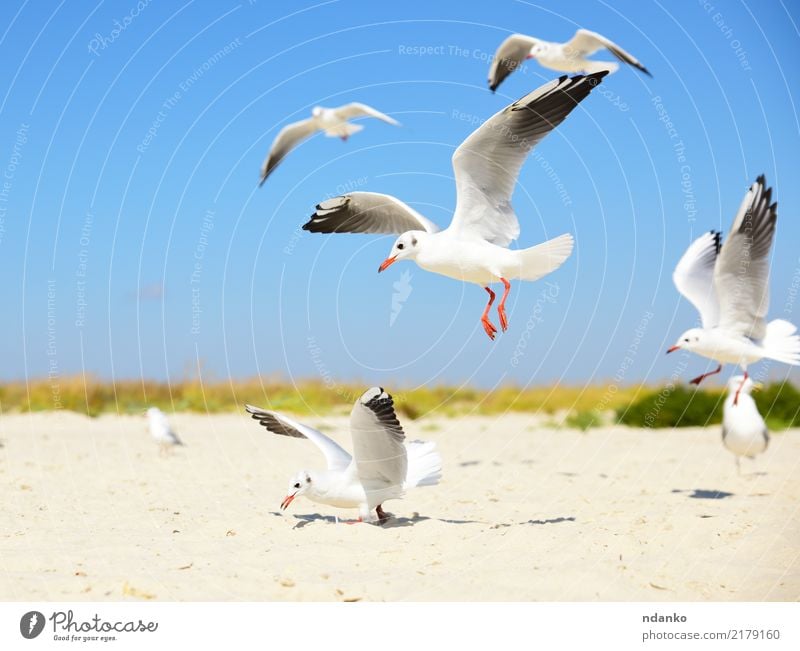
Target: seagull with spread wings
pixel 564 57
pixel 729 286
pixel 383 465
pixel 333 121
pixel 474 248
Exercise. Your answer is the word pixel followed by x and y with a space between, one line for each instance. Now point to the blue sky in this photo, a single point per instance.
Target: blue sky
pixel 134 240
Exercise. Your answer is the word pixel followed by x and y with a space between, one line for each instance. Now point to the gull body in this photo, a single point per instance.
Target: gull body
pixel 160 429
pixel 333 122
pixel 744 431
pixel 474 247
pixel 564 57
pixel 383 466
pixel 729 286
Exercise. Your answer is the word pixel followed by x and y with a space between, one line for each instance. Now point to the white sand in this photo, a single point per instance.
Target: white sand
pixel 91 511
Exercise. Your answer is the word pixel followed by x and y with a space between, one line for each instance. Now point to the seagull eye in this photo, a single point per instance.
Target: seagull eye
pixel 400 246
pixel 297 485
pixel 686 340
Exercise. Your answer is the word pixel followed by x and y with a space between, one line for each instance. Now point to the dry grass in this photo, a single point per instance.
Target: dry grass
pixel 94 396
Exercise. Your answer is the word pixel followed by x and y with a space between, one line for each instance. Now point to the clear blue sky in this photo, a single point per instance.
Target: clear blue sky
pixel 133 158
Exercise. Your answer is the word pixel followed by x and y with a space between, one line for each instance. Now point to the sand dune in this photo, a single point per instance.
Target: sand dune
pixel 525 512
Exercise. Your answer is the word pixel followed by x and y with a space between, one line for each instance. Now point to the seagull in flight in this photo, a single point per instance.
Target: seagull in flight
pixel 564 57
pixel 474 248
pixel 383 465
pixel 161 431
pixel 744 431
pixel 333 121
pixel 729 286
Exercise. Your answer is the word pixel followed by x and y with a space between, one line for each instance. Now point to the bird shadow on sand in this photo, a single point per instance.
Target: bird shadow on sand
pixel 703 494
pixel 393 522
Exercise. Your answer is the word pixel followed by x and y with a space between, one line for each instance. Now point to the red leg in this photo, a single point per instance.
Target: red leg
pixel 702 377
pixel 344 138
pixel 741 384
pixel 354 521
pixel 501 309
pixel 382 515
pixel 487 325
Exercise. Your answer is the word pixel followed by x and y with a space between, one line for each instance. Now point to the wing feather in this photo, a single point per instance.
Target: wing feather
pixel 287 139
pixel 367 212
pixel 694 276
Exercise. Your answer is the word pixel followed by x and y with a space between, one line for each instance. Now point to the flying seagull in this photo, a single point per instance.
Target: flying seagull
pixel 383 466
pixel 160 430
pixel 744 431
pixel 564 57
pixel 333 121
pixel 729 286
pixel 474 248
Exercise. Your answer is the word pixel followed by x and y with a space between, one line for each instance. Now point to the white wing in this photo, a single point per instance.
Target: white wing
pixel 511 53
pixel 335 455
pixel 287 139
pixel 367 212
pixel 357 110
pixel 487 163
pixel 585 43
pixel 741 277
pixel 694 276
pixel 380 455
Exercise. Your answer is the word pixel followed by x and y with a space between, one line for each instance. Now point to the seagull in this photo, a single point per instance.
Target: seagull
pixel 744 431
pixel 474 248
pixel 333 121
pixel 564 57
pixel 729 286
pixel 383 467
pixel 160 429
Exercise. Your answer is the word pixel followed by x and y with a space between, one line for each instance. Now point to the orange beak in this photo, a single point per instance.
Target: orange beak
pixel 386 263
pixel 673 349
pixel 287 501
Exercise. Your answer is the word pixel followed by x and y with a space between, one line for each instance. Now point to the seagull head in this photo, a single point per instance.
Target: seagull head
pixel 536 50
pixel 300 484
pixel 690 340
pixel 316 111
pixel 406 247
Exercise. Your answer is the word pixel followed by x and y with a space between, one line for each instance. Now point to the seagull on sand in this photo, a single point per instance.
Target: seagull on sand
pixel 474 248
pixel 333 121
pixel 564 57
pixel 383 466
pixel 744 431
pixel 729 286
pixel 160 429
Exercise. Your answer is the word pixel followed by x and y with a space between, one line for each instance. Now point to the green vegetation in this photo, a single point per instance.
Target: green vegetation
pixel 584 407
pixel 686 407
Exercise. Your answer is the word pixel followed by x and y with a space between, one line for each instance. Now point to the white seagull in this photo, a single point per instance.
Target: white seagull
pixel 333 121
pixel 160 429
pixel 383 465
pixel 744 431
pixel 474 248
pixel 564 57
pixel 729 286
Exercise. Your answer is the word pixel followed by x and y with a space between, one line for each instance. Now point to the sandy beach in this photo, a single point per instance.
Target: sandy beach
pixel 525 511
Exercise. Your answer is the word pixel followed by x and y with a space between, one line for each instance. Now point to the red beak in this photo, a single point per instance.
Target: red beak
pixel 386 263
pixel 287 501
pixel 673 349
pixel 530 56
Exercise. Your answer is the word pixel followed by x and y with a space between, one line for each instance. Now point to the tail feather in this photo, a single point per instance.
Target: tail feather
pixel 541 259
pixel 781 342
pixel 424 464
